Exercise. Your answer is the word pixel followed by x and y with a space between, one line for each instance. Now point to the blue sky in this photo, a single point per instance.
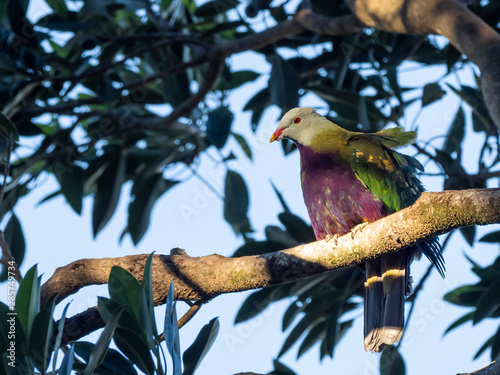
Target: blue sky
pixel 57 236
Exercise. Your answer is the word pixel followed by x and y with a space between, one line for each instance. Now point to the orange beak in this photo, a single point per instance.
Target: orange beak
pixel 276 135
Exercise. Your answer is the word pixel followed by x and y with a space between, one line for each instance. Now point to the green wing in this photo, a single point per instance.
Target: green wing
pixel 389 175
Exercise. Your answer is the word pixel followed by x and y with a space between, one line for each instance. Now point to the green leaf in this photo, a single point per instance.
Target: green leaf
pixel 243 144
pixel 283 83
pixel 346 104
pixel 20 24
pixel 117 364
pixel 452 56
pixel 277 234
pixel 83 349
pixel 171 329
pixel 363 113
pixel 391 362
pixel 236 200
pixel 238 79
pixel 146 194
pixel 333 329
pixel 314 313
pixel 114 362
pixel 296 333
pixel 485 346
pixel 71 178
pixel 67 362
pixel 432 92
pixel 101 347
pixel 11 196
pixel 42 336
pixel 487 303
pixel 7 128
pixel 466 295
pixel 193 355
pixel 314 335
pixel 107 307
pixel 290 313
pixel 480 124
pixel 59 7
pixel 213 8
pixel 254 305
pixel 108 192
pixel 255 6
pixel 28 300
pixel 297 227
pixel 491 237
pixel 281 369
pixel 14 237
pixel 465 318
pixel 218 126
pixel 495 346
pixel 57 342
pixel 456 133
pixel 136 350
pixel 124 289
pixel 286 209
pixel 258 105
pixel 146 304
pixel 469 234
pixel 165 4
pixel 474 98
pixel 49 197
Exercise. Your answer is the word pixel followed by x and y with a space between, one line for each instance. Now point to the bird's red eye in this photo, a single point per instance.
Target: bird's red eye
pixel 296 120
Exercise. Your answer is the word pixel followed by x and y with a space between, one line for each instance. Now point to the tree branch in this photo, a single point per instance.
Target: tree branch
pixel 450 18
pixel 204 278
pixel 303 20
pixel 492 369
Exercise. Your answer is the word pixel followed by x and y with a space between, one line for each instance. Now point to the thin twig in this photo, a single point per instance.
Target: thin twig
pixel 69 107
pixel 207 184
pixel 216 63
pixel 190 314
pixel 186 317
pixel 103 68
pixel 176 69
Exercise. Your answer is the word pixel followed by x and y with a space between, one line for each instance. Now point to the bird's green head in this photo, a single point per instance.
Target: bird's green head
pixel 304 126
pixel 296 124
pixel 308 128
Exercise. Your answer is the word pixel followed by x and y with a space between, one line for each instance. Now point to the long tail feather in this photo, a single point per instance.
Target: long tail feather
pixel 393 270
pixel 385 290
pixel 374 307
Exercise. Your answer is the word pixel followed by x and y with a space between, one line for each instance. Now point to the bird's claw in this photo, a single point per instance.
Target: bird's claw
pixel 332 237
pixel 357 229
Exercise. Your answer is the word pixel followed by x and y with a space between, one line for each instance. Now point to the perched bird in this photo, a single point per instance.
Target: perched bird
pixel 350 179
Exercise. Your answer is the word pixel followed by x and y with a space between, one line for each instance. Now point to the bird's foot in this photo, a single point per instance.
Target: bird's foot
pixel 332 237
pixel 358 229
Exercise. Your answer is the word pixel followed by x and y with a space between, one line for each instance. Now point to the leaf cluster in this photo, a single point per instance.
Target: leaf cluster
pixel 130 323
pixel 483 298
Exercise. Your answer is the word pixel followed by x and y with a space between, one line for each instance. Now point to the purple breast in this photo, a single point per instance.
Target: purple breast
pixel 335 198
